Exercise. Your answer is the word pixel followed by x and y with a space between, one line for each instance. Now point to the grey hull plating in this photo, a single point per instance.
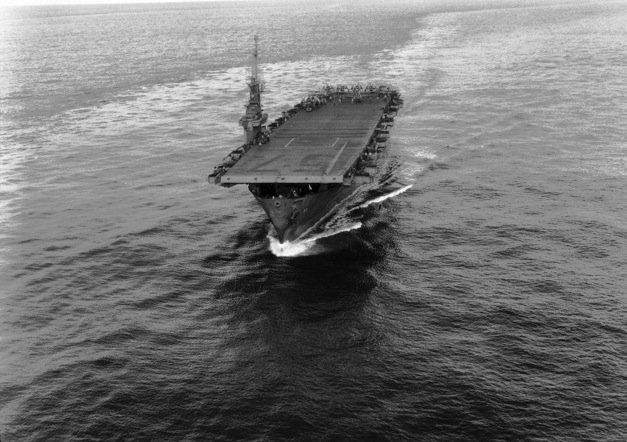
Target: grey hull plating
pixel 294 217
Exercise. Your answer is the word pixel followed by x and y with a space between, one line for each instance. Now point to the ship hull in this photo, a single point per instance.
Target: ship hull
pixel 293 218
pixel 306 164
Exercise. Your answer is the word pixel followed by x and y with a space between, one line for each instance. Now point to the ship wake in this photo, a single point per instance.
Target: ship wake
pixel 382 198
pixel 305 246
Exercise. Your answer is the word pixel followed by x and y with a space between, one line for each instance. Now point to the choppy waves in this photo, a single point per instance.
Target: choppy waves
pixel 477 295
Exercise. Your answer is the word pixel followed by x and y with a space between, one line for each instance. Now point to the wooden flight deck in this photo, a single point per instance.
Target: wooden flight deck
pixel 312 147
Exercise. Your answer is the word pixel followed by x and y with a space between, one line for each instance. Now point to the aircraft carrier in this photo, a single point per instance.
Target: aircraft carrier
pixel 303 166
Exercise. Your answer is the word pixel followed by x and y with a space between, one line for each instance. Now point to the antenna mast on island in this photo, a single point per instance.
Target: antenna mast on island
pixel 254 118
pixel 253 77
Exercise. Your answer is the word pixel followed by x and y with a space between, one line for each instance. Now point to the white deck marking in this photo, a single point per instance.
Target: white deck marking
pixel 288 143
pixel 337 156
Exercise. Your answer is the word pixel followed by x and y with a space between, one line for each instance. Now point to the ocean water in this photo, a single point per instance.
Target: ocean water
pixel 485 300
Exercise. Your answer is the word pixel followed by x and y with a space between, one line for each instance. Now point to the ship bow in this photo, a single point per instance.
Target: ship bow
pixel 294 217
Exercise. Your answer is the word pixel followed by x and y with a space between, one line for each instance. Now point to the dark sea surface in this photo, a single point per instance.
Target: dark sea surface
pixel 486 302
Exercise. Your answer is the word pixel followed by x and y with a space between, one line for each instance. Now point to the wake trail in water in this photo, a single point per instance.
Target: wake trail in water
pixel 383 197
pixel 301 247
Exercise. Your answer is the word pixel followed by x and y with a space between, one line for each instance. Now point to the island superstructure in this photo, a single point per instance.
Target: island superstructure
pixel 305 164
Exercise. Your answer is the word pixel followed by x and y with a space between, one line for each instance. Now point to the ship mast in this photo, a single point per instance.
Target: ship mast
pixel 253 77
pixel 254 118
